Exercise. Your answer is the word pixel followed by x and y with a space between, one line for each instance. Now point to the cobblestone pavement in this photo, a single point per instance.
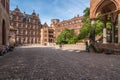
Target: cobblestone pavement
pixel 55 64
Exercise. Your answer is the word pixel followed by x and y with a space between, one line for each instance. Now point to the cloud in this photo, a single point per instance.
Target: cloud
pixel 50 9
pixel 71 8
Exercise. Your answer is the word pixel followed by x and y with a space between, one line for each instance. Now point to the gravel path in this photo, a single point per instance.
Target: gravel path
pixel 55 64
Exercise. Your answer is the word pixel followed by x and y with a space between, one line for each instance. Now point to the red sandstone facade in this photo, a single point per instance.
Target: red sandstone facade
pixel 74 23
pixel 28 27
pixel 98 5
pixel 47 35
pixel 6 4
pixel 4 22
pixel 31 31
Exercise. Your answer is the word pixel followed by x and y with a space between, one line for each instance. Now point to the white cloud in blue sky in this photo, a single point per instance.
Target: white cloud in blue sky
pixel 51 9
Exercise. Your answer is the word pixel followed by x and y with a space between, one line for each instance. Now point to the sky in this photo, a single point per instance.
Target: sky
pixel 51 9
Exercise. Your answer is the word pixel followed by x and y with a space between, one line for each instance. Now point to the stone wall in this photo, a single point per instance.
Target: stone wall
pixel 74 23
pixel 80 46
pixel 4 17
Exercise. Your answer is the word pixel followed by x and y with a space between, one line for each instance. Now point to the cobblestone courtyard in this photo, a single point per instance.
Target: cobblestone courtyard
pixel 55 64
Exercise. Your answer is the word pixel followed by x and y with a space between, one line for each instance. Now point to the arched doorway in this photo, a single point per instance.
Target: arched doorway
pixel 3 33
pixel 105 7
pixel 109 10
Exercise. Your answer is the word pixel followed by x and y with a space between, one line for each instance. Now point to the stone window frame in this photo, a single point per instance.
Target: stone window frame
pixel 80 20
pixel 19 24
pixel 26 32
pixel 33 32
pixel 33 20
pixel 45 40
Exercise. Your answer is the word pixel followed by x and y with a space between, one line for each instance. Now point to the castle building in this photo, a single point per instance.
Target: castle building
pixel 74 23
pixel 31 31
pixel 47 35
pixel 28 27
pixel 4 22
pixel 44 34
pixel 51 36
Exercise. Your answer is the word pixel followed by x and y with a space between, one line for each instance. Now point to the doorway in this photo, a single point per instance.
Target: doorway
pixel 3 33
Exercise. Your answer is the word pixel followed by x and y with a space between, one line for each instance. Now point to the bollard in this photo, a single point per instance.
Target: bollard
pixel 87 47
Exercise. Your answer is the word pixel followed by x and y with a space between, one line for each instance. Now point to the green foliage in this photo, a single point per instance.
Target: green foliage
pixel 67 36
pixel 86 28
pixel 108 25
pixel 73 40
pixel 86 12
pixel 99 28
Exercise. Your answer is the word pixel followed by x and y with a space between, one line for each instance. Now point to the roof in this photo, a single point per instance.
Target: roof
pixel 26 17
pixel 45 25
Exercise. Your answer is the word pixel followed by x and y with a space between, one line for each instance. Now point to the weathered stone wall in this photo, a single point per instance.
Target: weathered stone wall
pixel 74 23
pixel 27 25
pixel 44 34
pixel 4 16
pixel 80 46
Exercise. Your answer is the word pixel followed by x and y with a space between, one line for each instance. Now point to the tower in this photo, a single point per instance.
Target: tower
pixel 54 22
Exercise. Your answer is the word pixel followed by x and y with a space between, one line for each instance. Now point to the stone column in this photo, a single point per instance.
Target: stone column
pixel 104 33
pixel 104 29
pixel 92 33
pixel 113 32
pixel 119 28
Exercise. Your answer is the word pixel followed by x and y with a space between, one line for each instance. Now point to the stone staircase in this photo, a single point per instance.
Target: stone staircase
pixel 109 48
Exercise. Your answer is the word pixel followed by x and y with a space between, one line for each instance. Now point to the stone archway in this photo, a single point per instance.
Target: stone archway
pixel 107 8
pixel 3 33
pixel 97 6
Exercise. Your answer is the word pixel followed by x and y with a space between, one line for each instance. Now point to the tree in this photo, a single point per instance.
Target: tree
pixel 86 28
pixel 86 12
pixel 99 27
pixel 73 40
pixel 67 36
